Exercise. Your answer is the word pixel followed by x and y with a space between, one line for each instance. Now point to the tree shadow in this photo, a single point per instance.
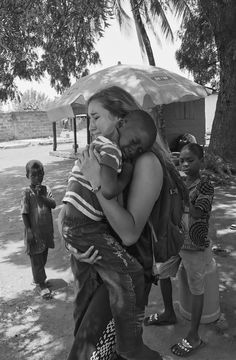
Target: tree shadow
pixel 224 214
pixel 29 326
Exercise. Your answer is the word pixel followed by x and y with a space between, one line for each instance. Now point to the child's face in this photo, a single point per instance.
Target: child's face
pixel 102 122
pixel 189 162
pixel 133 141
pixel 35 176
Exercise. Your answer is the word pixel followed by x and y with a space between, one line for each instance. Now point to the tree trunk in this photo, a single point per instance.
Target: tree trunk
pixel 144 35
pixel 223 134
pixel 221 15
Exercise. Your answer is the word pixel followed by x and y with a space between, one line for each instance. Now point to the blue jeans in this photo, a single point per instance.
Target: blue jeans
pixel 123 278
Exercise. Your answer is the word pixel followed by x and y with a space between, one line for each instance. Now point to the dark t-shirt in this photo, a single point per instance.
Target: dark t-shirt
pixel 40 217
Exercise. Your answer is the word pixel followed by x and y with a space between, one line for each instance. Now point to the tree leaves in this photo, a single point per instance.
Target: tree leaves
pixel 49 36
pixel 198 52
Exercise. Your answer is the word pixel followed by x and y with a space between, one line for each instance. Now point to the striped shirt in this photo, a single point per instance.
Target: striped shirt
pixel 79 190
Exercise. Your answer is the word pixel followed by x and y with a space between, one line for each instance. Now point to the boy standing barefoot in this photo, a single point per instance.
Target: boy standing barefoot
pixel 36 206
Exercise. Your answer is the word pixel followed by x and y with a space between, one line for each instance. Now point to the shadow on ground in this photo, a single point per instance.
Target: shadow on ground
pixel 32 328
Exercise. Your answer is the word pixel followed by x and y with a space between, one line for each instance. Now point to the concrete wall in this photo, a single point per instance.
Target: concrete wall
pixel 186 117
pixel 210 108
pixel 25 125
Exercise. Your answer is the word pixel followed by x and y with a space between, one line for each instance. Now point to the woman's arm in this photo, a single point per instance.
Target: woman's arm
pixel 144 190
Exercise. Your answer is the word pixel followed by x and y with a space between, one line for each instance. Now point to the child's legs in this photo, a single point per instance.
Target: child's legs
pixel 96 333
pixel 85 276
pixel 165 272
pixel 195 263
pixel 124 279
pixel 85 285
pixel 45 256
pixel 126 296
pixel 38 262
pixel 196 314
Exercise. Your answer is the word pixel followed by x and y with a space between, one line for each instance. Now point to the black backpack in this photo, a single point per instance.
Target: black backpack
pixel 167 230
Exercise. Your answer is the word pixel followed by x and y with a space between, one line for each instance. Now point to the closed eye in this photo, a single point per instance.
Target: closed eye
pixel 135 142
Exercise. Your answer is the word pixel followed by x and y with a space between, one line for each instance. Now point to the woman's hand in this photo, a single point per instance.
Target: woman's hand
pixel 90 256
pixel 89 165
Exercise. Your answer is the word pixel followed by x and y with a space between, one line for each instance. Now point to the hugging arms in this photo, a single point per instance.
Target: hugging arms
pixel 127 221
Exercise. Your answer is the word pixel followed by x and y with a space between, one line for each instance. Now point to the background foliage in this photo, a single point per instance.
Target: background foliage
pixel 48 36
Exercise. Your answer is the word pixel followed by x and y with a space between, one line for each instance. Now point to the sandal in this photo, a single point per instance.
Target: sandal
pixel 155 319
pixel 184 348
pixel 48 283
pixel 46 294
pixel 220 251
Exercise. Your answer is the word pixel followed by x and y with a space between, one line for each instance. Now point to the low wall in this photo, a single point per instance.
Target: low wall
pixel 26 125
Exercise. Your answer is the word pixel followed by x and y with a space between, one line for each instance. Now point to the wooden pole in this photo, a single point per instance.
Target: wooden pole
pixel 75 135
pixel 54 131
pixel 88 132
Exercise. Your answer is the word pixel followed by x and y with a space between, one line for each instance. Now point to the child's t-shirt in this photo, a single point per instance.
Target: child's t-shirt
pixel 201 194
pixel 40 217
pixel 79 191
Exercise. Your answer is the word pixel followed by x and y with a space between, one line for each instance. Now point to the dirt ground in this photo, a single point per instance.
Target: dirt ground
pixel 35 329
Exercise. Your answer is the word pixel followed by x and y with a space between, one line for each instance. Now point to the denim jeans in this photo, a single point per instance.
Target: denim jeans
pixel 123 278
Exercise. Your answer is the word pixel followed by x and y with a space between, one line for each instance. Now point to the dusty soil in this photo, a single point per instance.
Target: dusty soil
pixel 32 328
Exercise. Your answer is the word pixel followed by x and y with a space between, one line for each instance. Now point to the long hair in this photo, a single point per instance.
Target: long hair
pixel 116 100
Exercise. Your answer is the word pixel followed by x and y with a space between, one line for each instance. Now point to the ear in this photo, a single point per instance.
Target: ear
pixel 122 122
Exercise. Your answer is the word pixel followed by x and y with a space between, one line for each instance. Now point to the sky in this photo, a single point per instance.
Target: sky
pixel 117 45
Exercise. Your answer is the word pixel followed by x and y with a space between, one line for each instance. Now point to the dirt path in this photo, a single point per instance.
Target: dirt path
pixel 30 327
pixel 34 329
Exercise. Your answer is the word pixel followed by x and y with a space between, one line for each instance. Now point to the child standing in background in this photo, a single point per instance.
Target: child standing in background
pixel 36 206
pixel 195 253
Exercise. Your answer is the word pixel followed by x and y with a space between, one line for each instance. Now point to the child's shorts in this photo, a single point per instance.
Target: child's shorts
pixel 168 268
pixel 195 264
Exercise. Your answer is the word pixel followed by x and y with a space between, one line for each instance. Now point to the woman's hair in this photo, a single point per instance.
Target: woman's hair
pixel 34 164
pixel 116 100
pixel 196 149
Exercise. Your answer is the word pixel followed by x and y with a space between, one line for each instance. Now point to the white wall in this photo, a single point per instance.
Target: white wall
pixel 210 107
